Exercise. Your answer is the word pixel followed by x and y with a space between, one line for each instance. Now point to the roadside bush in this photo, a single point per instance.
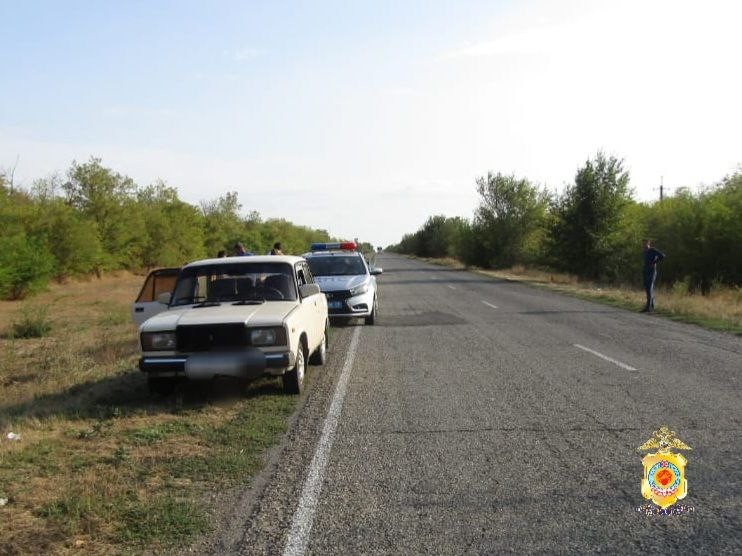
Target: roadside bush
pixel 33 323
pixel 682 287
pixel 25 266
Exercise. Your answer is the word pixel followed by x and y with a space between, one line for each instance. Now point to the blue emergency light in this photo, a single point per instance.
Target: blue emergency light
pixel 343 246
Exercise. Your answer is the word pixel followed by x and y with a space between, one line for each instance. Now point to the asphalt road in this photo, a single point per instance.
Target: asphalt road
pixel 486 417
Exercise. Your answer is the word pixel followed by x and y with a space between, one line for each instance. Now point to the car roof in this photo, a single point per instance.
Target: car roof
pixel 290 259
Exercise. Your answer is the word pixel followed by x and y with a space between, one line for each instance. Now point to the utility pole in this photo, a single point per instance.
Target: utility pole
pixel 662 185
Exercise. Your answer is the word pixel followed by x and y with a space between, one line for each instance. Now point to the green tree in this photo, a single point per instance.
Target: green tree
pixel 223 225
pixel 509 221
pixel 586 217
pixel 108 198
pixel 173 230
pixel 722 217
pixel 701 234
pixel 624 264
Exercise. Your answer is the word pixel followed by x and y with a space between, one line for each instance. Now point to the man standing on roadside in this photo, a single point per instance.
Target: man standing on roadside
pixel 651 257
pixel 276 249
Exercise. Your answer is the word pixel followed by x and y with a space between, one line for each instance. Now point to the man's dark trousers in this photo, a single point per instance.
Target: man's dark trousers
pixel 649 277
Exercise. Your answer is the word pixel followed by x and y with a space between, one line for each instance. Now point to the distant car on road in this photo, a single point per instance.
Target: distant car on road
pixel 346 279
pixel 240 317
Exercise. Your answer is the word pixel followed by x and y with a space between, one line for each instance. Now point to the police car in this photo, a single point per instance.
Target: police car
pixel 345 278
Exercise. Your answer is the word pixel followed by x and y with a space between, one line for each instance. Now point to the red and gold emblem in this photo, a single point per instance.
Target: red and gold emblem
pixel 664 470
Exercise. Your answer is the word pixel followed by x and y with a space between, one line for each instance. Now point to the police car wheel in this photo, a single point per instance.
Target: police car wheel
pixel 371 319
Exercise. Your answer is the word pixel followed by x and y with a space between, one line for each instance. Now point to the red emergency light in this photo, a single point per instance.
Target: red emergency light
pixel 343 246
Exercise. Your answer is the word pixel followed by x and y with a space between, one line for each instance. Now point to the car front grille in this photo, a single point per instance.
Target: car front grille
pixel 338 295
pixel 205 337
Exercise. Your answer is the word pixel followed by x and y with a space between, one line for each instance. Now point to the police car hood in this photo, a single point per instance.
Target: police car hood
pixel 339 283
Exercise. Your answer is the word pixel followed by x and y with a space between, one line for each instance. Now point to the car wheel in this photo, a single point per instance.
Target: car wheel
pixel 371 319
pixel 293 380
pixel 319 357
pixel 161 386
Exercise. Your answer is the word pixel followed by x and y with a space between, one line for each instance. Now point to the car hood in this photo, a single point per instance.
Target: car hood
pixel 271 313
pixel 335 283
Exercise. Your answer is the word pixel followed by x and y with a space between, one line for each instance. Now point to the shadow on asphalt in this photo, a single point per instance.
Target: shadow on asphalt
pixel 495 281
pixel 389 270
pixel 567 312
pixel 346 322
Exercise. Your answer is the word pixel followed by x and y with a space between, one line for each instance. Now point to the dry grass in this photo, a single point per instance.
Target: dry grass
pixel 101 466
pixel 720 310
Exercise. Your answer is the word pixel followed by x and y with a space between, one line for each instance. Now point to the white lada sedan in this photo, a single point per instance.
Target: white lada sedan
pixel 345 278
pixel 240 317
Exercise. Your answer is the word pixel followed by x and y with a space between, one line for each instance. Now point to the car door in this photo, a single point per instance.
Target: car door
pixel 310 308
pixel 157 282
pixel 319 302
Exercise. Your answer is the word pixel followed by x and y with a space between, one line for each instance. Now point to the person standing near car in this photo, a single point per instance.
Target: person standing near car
pixel 649 273
pixel 239 250
pixel 276 249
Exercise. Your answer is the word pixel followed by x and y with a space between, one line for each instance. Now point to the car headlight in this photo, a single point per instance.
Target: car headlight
pixel 358 290
pixel 267 336
pixel 158 341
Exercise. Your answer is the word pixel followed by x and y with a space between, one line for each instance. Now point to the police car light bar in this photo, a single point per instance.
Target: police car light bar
pixel 344 246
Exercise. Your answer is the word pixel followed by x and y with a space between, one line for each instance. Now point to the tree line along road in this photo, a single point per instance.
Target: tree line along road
pixel 484 416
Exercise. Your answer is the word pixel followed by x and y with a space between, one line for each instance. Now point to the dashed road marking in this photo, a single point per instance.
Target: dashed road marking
pixel 489 304
pixel 301 525
pixel 605 357
pixel 452 287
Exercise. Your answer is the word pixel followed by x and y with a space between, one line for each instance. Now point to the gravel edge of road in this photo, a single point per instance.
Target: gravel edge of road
pixel 233 511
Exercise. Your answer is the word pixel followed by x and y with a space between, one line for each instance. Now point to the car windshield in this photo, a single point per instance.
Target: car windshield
pixel 336 266
pixel 241 281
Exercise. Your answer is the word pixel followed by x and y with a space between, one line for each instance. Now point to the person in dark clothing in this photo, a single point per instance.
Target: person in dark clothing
pixel 276 249
pixel 239 250
pixel 651 257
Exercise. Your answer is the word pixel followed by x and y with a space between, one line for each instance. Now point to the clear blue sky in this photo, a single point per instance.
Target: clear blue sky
pixel 365 118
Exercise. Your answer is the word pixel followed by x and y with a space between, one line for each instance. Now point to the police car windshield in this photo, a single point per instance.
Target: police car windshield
pixel 339 265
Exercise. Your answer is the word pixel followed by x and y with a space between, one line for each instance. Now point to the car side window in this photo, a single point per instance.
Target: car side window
pixel 308 273
pixel 300 278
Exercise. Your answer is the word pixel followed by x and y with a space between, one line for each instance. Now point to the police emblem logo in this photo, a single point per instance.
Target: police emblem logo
pixel 664 480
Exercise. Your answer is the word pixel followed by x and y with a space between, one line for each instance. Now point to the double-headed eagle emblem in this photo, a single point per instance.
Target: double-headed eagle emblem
pixel 664 471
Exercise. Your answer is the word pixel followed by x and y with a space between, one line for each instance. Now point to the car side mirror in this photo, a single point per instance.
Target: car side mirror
pixel 375 270
pixel 307 290
pixel 164 298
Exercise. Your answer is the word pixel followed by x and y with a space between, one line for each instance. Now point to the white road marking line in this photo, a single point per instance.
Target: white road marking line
pixel 622 365
pixel 490 305
pixel 450 286
pixel 433 277
pixel 301 525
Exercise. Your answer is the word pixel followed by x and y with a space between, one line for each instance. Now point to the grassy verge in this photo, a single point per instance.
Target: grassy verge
pixel 100 465
pixel 720 310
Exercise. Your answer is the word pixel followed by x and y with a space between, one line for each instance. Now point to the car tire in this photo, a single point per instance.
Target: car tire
pixel 161 386
pixel 319 357
pixel 371 319
pixel 293 380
